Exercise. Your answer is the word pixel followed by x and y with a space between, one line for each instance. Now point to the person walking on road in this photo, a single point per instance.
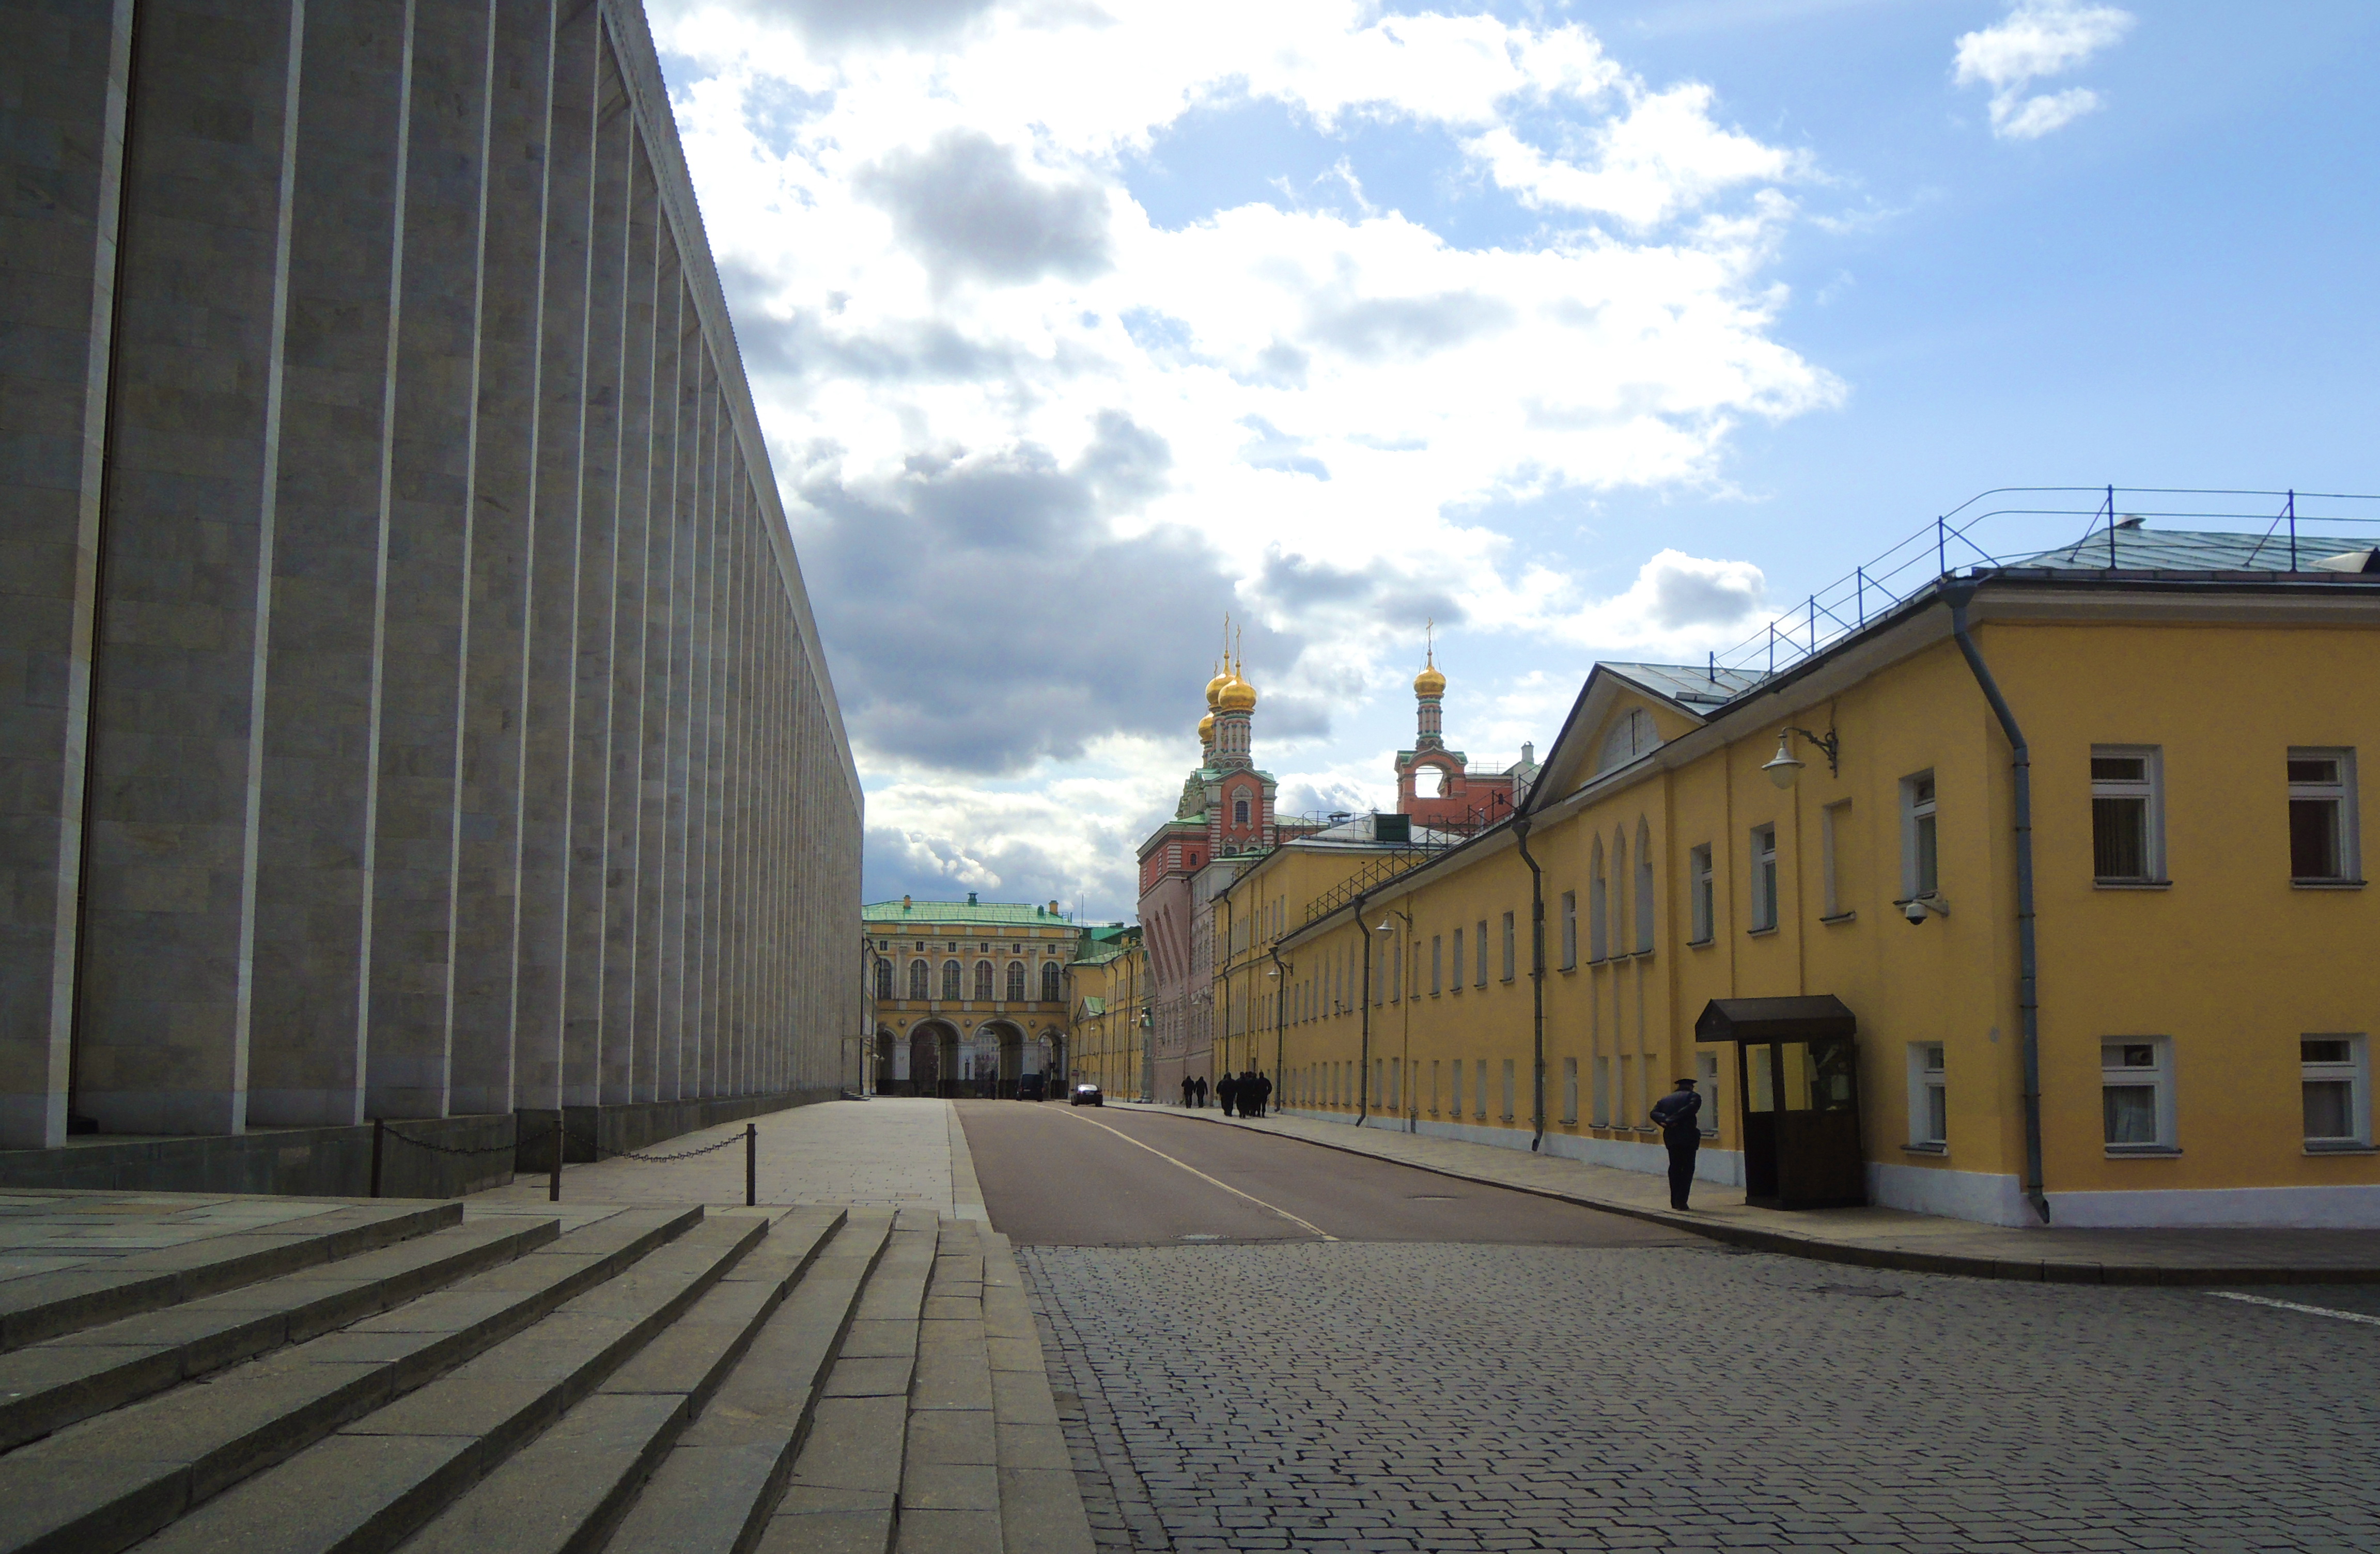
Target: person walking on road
pixel 1189 1089
pixel 1264 1095
pixel 1227 1090
pixel 1199 1094
pixel 1675 1114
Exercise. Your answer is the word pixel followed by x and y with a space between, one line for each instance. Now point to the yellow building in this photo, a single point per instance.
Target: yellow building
pixel 1107 984
pixel 968 997
pixel 2094 824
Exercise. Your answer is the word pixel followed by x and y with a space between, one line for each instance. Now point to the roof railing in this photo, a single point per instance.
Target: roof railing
pixel 1954 543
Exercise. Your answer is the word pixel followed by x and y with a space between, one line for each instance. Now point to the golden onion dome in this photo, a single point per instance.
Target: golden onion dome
pixel 1215 689
pixel 1430 682
pixel 1207 729
pixel 1238 696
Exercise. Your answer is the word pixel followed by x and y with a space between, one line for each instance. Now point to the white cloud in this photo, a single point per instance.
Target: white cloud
pixel 2038 38
pixel 959 322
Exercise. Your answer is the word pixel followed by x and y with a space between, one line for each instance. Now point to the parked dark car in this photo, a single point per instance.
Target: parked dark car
pixel 1030 1086
pixel 1088 1094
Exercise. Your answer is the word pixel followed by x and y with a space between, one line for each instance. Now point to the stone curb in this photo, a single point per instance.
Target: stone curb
pixel 1752 1238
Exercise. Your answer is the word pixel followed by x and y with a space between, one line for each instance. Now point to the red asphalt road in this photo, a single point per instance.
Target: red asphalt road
pixel 1057 1175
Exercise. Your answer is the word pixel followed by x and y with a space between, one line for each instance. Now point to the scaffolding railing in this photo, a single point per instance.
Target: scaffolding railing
pixel 1954 543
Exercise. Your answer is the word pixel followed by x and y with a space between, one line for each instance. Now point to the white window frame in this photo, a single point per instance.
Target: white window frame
pixel 1765 903
pixel 2356 1073
pixel 1920 815
pixel 1928 1077
pixel 1570 930
pixel 2342 793
pixel 2150 787
pixel 2155 1075
pixel 1701 893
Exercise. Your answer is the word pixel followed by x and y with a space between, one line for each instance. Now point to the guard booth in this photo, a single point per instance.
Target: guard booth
pixel 1797 1070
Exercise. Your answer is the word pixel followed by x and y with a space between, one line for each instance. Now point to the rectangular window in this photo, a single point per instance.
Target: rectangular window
pixel 2136 1094
pixel 1481 941
pixel 2322 815
pixel 1570 930
pixel 1570 1091
pixel 1508 946
pixel 1380 1077
pixel 1764 879
pixel 1920 873
pixel 2127 822
pixel 1433 1086
pixel 1396 969
pixel 2338 1092
pixel 1601 1096
pixel 1396 1082
pixel 1929 1113
pixel 1699 893
pixel 1508 1090
pixel 1437 963
pixel 1623 1099
pixel 1479 1090
pixel 1458 960
pixel 1706 1070
pixel 1834 832
pixel 1455 1097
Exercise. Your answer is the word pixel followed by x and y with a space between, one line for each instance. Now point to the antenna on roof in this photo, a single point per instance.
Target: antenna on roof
pixel 1713 670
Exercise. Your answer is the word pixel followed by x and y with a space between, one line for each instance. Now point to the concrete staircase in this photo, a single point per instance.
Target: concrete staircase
pixel 803 1379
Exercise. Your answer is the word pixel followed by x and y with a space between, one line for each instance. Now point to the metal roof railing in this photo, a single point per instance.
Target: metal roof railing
pixel 1954 542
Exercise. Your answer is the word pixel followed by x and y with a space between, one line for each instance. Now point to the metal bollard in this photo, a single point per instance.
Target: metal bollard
pixel 554 1187
pixel 380 1131
pixel 751 1164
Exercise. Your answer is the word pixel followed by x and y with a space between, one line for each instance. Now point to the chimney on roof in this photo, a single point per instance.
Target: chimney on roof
pixel 1053 909
pixel 1528 754
pixel 904 903
pixel 970 898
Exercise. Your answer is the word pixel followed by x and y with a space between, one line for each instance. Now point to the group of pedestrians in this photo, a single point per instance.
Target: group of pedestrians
pixel 1246 1094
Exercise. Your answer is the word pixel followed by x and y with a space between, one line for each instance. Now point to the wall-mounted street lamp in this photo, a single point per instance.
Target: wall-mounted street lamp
pixel 1787 768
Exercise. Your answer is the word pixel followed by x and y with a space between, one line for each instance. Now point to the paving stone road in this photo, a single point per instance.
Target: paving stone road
pixel 1363 1396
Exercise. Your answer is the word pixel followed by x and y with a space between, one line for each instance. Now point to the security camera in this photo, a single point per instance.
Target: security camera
pixel 1915 910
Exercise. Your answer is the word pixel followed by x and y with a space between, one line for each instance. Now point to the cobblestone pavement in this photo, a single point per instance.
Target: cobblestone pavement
pixel 1361 1396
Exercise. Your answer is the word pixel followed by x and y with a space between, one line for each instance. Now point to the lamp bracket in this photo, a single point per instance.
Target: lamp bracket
pixel 1826 742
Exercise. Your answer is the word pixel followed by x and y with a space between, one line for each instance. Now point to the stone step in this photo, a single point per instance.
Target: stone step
pixel 105 1483
pixel 381 1477
pixel 46 1385
pixel 47 1306
pixel 724 1478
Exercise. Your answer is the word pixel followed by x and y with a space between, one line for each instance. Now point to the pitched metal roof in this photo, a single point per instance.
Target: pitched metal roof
pixel 2169 550
pixel 927 913
pixel 1696 685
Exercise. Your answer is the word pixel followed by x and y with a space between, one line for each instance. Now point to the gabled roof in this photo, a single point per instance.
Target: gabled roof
pixel 995 914
pixel 1695 691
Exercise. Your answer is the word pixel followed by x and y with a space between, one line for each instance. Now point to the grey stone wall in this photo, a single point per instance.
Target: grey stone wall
pixel 409 704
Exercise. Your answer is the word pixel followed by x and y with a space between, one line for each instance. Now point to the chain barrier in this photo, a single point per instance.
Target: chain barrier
pixel 604 1152
pixel 595 1148
pixel 450 1150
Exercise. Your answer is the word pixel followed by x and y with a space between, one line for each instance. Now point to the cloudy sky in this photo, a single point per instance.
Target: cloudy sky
pixel 1592 330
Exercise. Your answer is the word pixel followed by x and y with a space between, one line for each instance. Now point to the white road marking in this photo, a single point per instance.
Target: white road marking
pixel 1269 1209
pixel 2294 1306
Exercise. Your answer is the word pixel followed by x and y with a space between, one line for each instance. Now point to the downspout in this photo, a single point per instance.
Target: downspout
pixel 1537 981
pixel 2028 992
pixel 1279 993
pixel 1363 1055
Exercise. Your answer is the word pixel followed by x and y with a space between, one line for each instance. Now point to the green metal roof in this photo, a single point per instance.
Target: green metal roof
pixel 1094 1005
pixel 934 914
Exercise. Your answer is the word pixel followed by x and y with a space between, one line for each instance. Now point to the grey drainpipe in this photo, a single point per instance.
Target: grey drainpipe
pixel 2028 992
pixel 1363 1061
pixel 1537 981
pixel 1280 1007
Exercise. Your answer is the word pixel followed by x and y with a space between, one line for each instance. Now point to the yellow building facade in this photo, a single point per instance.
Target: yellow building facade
pixel 966 998
pixel 2203 996
pixel 1107 985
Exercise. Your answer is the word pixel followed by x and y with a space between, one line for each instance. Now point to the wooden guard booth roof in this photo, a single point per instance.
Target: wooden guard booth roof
pixel 1802 1018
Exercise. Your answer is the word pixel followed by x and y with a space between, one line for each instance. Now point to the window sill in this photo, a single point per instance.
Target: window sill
pixel 1840 918
pixel 2325 884
pixel 2343 1147
pixel 1925 1148
pixel 1641 955
pixel 1570 970
pixel 2131 884
pixel 1758 933
pixel 2142 1151
pixel 1700 944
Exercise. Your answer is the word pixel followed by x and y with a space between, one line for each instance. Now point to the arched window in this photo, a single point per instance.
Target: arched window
pixel 1016 982
pixel 1632 735
pixel 951 980
pixel 1643 887
pixel 883 977
pixel 983 981
pixel 1620 895
pixel 1049 981
pixel 917 975
pixel 1239 811
pixel 1598 908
